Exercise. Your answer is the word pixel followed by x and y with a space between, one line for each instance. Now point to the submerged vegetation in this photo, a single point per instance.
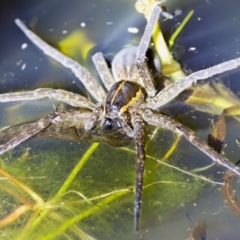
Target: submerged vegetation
pixel 68 190
pixel 76 195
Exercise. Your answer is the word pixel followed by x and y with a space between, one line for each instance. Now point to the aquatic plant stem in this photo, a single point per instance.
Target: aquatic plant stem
pixel 35 196
pixel 77 168
pixel 169 65
pixel 179 29
pixel 171 149
pixel 85 214
pixel 14 215
pixel 34 222
pixel 176 168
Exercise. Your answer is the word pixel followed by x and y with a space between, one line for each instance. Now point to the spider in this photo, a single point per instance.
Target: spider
pixel 131 100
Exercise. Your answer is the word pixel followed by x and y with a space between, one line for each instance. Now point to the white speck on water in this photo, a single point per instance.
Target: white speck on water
pixel 199 19
pixel 36 68
pixel 64 31
pixel 191 49
pixel 50 30
pixel 194 204
pixel 83 24
pixel 24 46
pixel 23 66
pixel 133 30
pixel 109 23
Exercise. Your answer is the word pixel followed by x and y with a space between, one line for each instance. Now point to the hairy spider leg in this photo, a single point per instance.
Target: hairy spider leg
pixel 103 70
pixel 141 61
pixel 35 128
pixel 139 137
pixel 95 116
pixel 80 72
pixel 165 122
pixel 172 90
pixel 70 98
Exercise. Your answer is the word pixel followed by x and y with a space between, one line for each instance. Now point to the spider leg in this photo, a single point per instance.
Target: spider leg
pixel 124 122
pixel 138 127
pixel 80 72
pixel 59 129
pixel 32 130
pixel 172 90
pixel 95 116
pixel 103 70
pixel 70 98
pixel 165 122
pixel 144 71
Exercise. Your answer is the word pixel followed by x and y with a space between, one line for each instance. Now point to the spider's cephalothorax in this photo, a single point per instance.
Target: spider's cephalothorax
pixel 123 98
pixel 127 105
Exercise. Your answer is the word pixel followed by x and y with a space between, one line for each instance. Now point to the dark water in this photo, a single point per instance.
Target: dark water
pixel 213 33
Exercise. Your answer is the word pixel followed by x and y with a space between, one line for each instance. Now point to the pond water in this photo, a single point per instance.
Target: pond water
pixel 171 199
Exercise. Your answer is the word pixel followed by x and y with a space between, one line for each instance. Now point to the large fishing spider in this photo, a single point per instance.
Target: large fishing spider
pixel 130 101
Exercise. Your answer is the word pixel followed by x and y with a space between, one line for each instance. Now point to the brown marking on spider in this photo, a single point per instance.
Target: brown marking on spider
pixel 130 101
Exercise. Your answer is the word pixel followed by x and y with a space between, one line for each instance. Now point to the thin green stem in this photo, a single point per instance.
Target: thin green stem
pixel 179 29
pixel 85 214
pixel 45 212
pixel 24 187
pixel 76 169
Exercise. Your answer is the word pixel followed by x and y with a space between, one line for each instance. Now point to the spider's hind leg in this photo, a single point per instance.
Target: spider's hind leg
pixel 165 122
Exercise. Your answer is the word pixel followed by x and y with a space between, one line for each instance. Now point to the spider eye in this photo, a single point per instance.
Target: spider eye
pixel 109 124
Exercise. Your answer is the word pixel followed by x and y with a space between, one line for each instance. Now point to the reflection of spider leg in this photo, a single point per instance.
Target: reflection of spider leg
pixel 32 130
pixel 70 98
pixel 172 90
pixel 80 72
pixel 176 127
pixel 103 70
pixel 138 126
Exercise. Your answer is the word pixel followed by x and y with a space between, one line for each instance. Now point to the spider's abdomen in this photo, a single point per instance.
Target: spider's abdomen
pixel 124 64
pixel 123 96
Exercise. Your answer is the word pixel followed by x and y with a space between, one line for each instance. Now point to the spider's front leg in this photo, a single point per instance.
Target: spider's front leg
pixel 80 72
pixel 141 61
pixel 139 135
pixel 70 98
